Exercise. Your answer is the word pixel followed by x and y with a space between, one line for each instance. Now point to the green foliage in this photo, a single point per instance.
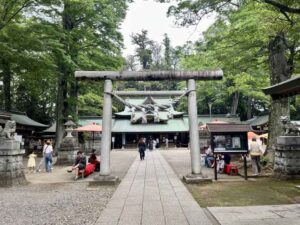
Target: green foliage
pixel 238 43
pixel 143 50
pixel 43 42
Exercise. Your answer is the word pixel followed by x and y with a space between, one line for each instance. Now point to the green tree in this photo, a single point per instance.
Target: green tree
pixel 143 49
pixel 89 40
pixel 280 44
pixel 167 52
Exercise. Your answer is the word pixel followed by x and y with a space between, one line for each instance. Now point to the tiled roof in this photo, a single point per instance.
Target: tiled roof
pixel 227 128
pixel 284 89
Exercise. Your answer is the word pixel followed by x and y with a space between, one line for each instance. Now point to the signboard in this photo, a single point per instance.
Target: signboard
pixel 235 142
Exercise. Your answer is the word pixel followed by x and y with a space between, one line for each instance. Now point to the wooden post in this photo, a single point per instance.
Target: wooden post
pixel 215 168
pixel 245 167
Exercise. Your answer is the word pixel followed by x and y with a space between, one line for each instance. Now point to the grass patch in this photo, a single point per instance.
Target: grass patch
pixel 246 193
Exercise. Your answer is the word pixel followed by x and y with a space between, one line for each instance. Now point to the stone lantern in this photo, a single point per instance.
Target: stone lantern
pixel 69 146
pixel 69 127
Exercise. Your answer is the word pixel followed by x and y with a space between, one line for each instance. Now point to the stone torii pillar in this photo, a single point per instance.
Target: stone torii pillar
pixel 106 129
pixel 193 126
pixel 189 76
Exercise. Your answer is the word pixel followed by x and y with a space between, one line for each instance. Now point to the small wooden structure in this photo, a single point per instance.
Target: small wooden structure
pixel 229 139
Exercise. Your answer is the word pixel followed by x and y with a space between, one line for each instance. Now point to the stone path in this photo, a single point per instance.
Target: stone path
pixel 151 193
pixel 258 215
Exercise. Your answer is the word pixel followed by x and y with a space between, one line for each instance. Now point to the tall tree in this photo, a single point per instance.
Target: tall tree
pixel 90 40
pixel 280 46
pixel 143 49
pixel 167 51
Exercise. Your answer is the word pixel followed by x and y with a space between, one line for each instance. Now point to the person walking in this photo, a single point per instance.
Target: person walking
pixel 167 143
pixel 47 152
pixel 142 148
pixel 31 162
pixel 157 143
pixel 255 153
pixel 42 161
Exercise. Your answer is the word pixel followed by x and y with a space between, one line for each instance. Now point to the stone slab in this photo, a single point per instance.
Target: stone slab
pixel 196 179
pixel 105 180
pixel 8 145
pixel 269 215
pixel 289 140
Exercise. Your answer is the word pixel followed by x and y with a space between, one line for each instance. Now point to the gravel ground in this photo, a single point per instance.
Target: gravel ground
pixel 56 199
pixel 64 203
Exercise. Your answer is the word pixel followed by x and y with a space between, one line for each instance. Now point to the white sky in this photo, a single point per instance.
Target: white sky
pixel 151 16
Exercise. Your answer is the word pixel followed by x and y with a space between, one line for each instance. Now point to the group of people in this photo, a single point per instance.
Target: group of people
pixel 80 164
pixel 47 158
pixel 143 144
pixel 255 150
pixel 222 160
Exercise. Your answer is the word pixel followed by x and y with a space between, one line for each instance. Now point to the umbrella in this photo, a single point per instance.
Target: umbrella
pixel 216 121
pixel 90 128
pixel 251 135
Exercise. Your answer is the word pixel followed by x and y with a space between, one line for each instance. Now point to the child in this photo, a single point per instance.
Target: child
pixel 221 163
pixel 31 161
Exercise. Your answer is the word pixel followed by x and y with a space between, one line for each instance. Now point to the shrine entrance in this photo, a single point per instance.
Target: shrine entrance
pixel 148 110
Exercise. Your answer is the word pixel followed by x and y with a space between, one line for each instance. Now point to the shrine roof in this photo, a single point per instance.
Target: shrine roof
pixel 227 128
pixel 284 89
pixel 173 125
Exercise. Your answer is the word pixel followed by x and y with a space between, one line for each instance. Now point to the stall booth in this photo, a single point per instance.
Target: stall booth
pixel 229 139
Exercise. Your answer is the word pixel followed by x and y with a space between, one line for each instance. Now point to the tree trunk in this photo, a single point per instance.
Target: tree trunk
pixel 6 85
pixel 74 95
pixel 67 91
pixel 249 108
pixel 279 71
pixel 60 109
pixel 234 103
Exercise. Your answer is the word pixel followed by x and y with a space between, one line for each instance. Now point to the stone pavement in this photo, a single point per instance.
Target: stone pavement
pixel 257 215
pixel 151 193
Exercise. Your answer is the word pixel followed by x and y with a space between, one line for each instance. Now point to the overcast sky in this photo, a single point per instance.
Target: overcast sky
pixel 151 16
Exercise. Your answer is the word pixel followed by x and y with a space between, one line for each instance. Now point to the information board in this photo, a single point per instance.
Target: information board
pixel 229 142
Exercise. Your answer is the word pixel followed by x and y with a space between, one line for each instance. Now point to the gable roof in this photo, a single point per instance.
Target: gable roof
pixel 23 119
pixel 227 128
pixel 284 89
pixel 258 120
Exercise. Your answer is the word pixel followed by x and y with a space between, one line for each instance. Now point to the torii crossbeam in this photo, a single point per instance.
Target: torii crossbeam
pixel 189 76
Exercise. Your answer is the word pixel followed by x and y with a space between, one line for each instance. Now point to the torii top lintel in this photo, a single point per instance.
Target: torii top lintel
pixel 149 75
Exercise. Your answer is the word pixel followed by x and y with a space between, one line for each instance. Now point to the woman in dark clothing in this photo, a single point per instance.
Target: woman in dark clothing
pixel 142 148
pixel 93 160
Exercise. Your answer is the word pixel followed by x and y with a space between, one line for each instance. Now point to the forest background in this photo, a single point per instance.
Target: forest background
pixel 43 42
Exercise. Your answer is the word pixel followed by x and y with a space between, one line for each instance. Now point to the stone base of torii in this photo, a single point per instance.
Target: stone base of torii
pixel 190 76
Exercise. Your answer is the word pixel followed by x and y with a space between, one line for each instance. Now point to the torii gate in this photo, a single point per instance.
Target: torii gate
pixel 109 76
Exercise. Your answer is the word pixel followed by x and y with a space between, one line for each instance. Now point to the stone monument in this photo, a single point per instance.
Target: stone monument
pixel 69 146
pixel 11 157
pixel 287 151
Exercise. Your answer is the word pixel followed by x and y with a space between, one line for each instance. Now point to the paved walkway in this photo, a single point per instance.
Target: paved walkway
pixel 258 215
pixel 151 193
